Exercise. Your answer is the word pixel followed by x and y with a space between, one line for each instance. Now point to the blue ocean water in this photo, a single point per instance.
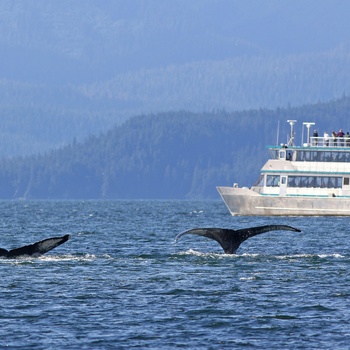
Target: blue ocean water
pixel 122 282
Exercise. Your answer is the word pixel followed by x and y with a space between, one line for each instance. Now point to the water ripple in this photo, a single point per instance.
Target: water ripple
pixel 120 282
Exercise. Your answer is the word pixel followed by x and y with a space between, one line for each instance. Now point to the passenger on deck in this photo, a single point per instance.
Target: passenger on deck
pixel 334 136
pixel 347 138
pixel 341 137
pixel 315 135
pixel 326 138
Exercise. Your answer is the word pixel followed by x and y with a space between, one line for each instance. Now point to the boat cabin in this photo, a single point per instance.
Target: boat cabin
pixel 312 169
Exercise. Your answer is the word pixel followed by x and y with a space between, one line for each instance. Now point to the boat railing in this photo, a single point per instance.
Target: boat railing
pixel 329 142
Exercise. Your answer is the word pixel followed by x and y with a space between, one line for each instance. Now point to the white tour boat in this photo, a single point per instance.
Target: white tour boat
pixel 312 179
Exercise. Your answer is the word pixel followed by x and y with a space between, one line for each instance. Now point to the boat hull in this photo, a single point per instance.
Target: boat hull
pixel 243 201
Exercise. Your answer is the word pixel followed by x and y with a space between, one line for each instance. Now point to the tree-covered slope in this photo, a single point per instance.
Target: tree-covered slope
pixel 169 155
pixel 73 68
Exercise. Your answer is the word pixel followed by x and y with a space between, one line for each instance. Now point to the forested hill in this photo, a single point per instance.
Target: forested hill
pixel 72 68
pixel 164 156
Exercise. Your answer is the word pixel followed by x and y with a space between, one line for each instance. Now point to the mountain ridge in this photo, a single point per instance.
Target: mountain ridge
pixel 78 68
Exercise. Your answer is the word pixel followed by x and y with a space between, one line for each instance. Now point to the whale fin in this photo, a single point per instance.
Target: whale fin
pixel 229 239
pixel 36 249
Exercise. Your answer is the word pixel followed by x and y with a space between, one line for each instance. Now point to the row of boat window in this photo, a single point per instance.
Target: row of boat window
pixel 308 181
pixel 312 156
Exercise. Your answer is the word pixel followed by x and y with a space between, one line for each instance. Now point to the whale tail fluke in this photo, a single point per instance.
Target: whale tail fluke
pixel 35 249
pixel 3 252
pixel 229 239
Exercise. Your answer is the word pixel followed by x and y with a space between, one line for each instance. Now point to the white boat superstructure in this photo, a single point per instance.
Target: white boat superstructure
pixel 312 179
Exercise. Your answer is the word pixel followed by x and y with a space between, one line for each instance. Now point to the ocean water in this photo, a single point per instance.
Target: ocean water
pixel 122 282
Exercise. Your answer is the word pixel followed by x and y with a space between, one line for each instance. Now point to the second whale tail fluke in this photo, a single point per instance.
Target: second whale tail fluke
pixel 35 249
pixel 229 239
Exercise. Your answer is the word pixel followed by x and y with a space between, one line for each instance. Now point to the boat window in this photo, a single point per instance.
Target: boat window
pixel 346 181
pixel 282 155
pixel 292 181
pixel 307 156
pixel 318 181
pixel 311 181
pixel 332 182
pixel 274 154
pixel 322 156
pixel 303 181
pixel 324 182
pixel 315 181
pixel 260 181
pixel 272 180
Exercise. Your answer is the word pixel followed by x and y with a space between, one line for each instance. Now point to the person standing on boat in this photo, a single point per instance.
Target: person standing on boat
pixel 334 136
pixel 315 137
pixel 341 137
pixel 326 138
pixel 347 138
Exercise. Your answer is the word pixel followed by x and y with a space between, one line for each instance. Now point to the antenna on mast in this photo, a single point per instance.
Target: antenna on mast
pixel 278 132
pixel 292 133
